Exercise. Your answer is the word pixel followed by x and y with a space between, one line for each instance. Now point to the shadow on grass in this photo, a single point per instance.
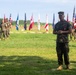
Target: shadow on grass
pixel 30 65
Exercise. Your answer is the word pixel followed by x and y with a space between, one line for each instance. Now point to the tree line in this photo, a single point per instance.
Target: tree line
pixel 21 22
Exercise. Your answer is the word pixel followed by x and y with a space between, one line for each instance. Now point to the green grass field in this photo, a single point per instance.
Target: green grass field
pixel 33 54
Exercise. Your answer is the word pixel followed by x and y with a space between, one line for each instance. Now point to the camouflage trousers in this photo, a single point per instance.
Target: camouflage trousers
pixel 62 49
pixel 7 33
pixel 4 34
pixel 0 34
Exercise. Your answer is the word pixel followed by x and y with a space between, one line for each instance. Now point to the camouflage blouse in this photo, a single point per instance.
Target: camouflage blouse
pixel 64 26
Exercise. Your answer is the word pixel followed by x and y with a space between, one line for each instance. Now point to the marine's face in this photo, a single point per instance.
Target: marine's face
pixel 61 17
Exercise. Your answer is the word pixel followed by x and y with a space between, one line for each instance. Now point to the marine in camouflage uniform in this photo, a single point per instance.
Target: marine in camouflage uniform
pixel 0 31
pixel 8 26
pixel 62 29
pixel 4 29
pixel 73 34
pixel 7 29
pixel 74 27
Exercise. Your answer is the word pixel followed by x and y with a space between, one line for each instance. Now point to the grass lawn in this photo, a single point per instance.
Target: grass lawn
pixel 33 54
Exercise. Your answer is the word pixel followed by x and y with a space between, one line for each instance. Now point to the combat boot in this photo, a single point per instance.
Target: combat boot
pixel 67 67
pixel 60 67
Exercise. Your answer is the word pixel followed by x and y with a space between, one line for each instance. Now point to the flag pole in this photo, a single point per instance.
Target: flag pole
pixel 25 27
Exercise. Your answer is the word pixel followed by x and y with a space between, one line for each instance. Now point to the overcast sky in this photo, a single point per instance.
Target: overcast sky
pixel 36 7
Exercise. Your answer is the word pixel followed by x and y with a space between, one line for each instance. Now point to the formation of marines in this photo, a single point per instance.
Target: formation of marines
pixel 5 26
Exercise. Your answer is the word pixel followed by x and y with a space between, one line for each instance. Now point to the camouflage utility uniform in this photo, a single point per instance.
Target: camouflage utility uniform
pixel 7 29
pixel 4 25
pixel 0 31
pixel 62 47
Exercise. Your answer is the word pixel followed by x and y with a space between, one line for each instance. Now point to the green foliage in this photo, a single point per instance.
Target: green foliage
pixel 21 22
pixel 32 54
